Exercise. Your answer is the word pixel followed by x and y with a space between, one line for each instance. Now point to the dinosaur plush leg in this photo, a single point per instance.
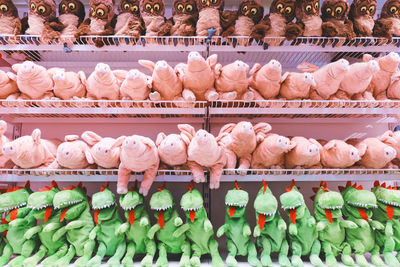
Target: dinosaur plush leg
pixel 66 259
pixel 33 260
pixel 61 252
pixel 359 251
pixel 376 257
pixel 162 260
pixel 296 254
pixel 315 251
pixel 266 253
pixel 96 260
pixel 87 254
pixel 150 252
pixel 252 255
pixel 27 249
pixel 388 249
pixel 115 261
pixel 185 258
pixel 216 260
pixel 283 254
pixel 195 260
pixel 127 261
pixel 329 256
pixel 230 260
pixel 7 252
pixel 346 255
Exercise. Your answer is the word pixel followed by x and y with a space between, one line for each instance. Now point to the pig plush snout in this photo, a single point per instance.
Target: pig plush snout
pixel 27 66
pixel 8 149
pixel 202 136
pixel 312 150
pixel 102 68
pixel 390 152
pixel 161 65
pixel 354 155
pixel 275 65
pixel 240 66
pixel 247 129
pixel 132 75
pixel 283 142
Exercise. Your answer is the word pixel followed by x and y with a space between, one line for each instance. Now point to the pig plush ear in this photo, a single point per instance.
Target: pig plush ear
pixel 16 67
pixel 227 128
pixel 71 138
pixel 261 129
pixel 362 148
pixel 307 67
pixel 388 138
pixel 160 137
pixel 36 136
pixel 315 142
pixel 224 139
pixel 3 127
pixel 367 57
pixel 147 141
pixel 255 69
pixel 187 132
pixel 147 64
pixel 12 76
pixel 82 77
pixel 91 138
pixel 292 145
pixel 331 145
pixel 53 71
pixel 218 70
pixel 89 156
pixel 212 60
pixel 118 142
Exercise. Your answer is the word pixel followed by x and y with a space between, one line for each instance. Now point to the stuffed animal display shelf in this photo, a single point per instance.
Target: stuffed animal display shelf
pixel 51 226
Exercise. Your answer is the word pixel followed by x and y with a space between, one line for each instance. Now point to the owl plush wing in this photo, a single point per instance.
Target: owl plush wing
pixel 382 28
pixel 261 28
pixel 228 18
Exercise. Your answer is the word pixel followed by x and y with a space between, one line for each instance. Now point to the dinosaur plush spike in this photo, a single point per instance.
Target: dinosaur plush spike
pixel 265 186
pixel 376 184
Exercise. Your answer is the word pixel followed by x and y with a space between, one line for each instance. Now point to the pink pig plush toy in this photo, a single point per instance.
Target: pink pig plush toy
pixel 393 139
pixel 30 151
pixel 73 154
pixel 5 162
pixel 232 81
pixel 138 154
pixel 198 76
pixel 393 91
pixel 327 78
pixel 205 151
pixel 337 154
pixel 172 148
pixel 33 80
pixel 266 80
pixel 270 153
pixel 166 84
pixel 136 86
pixel 242 142
pixel 8 84
pixel 68 84
pixel 306 154
pixel 101 151
pixel 296 85
pixel 375 153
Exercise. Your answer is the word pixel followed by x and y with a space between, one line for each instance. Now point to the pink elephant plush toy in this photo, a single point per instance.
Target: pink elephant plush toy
pixel 73 154
pixel 270 152
pixel 5 162
pixel 136 86
pixel 34 81
pixel 205 151
pixel 166 84
pixel 305 155
pixel 172 148
pixel 375 153
pixel 242 142
pixel 327 78
pixel 266 80
pixel 198 76
pixel 296 85
pixel 68 84
pixel 138 154
pixel 8 84
pixel 337 154
pixel 30 151
pixel 381 80
pixel 100 149
pixel 356 81
pixel 232 82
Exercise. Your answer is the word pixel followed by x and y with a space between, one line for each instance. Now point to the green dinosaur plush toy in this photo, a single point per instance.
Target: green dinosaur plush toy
pixel 358 206
pixel 75 211
pixel 237 228
pixel 168 221
pixel 107 220
pixel 135 229
pixel 198 229
pixel 303 234
pixel 270 230
pixel 20 219
pixel 42 205
pixel 388 213
pixel 331 229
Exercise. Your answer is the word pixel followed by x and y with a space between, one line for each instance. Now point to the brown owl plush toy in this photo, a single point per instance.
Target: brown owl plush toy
pixel 71 15
pixel 388 24
pixel 308 21
pixel 210 12
pixel 42 20
pixel 249 14
pixel 129 21
pixel 184 18
pixel 362 14
pixel 101 14
pixel 275 23
pixel 9 19
pixel 335 20
pixel 152 12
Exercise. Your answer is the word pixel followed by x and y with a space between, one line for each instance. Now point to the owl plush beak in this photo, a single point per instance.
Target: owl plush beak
pixel 208 3
pixel 152 11
pixel 314 11
pixel 282 10
pixel 368 12
pixel 333 13
pixel 397 12
pixel 247 12
pixel 93 13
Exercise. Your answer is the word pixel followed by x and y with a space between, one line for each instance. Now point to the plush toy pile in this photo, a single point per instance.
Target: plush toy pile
pixel 287 18
pixel 52 226
pixel 238 147
pixel 207 80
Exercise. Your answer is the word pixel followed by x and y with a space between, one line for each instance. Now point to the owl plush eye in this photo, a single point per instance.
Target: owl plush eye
pixel 213 1
pixel 363 9
pixel 253 11
pixel 339 10
pixel 203 2
pixel 371 9
pixel 127 6
pixel 135 8
pixel 393 9
pixel 180 7
pixel 100 12
pixel 316 6
pixel 71 6
pixel 329 10
pixel 189 8
pixel 64 7
pixel 288 10
pixel 41 9
pixel 148 6
pixel 308 8
pixel 4 8
pixel 279 7
pixel 156 7
pixel 33 6
pixel 245 8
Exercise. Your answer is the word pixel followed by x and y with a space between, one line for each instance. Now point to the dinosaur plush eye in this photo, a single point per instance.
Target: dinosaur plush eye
pixel 41 9
pixel 371 9
pixel 71 6
pixel 279 6
pixel 180 7
pixel 156 7
pixel 308 8
pixel 100 12
pixel 127 6
pixel 135 8
pixel 253 11
pixel 245 8
pixel 4 8
pixel 339 10
pixel 33 6
pixel 189 8
pixel 316 6
pixel 363 9
pixel 393 9
pixel 148 6
pixel 288 10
